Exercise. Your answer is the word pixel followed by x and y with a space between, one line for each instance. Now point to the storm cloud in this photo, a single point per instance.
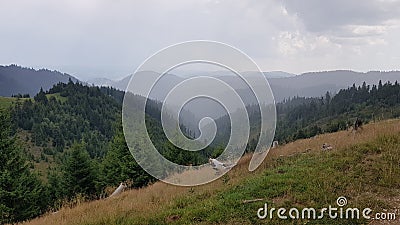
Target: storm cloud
pixel 111 38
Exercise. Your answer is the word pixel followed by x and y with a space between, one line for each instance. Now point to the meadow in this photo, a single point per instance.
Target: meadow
pixel 364 167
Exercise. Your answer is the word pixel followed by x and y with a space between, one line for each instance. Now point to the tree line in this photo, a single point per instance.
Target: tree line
pixel 301 117
pixel 305 117
pixel 78 130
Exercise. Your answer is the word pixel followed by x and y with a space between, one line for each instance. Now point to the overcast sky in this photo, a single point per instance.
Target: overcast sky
pixel 94 38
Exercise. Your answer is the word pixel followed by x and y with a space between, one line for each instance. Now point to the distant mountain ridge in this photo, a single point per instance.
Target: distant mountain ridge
pixel 15 79
pixel 315 84
pixel 284 85
pixel 122 83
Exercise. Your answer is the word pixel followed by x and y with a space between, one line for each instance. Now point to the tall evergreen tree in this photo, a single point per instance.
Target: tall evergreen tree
pixel 78 174
pixel 120 166
pixel 22 195
pixel 41 97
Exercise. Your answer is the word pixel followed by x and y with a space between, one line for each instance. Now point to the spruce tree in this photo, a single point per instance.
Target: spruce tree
pixel 22 195
pixel 78 174
pixel 120 166
pixel 41 97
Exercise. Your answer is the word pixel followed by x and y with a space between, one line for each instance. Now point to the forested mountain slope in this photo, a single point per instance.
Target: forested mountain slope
pixel 72 136
pixel 302 117
pixel 362 167
pixel 15 80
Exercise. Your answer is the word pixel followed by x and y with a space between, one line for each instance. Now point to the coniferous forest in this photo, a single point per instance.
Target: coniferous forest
pixel 307 117
pixel 72 137
pixel 67 143
pixel 301 117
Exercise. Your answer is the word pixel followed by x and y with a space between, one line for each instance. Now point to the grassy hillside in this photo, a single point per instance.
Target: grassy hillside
pixel 364 167
pixel 6 102
pixel 73 125
pixel 57 96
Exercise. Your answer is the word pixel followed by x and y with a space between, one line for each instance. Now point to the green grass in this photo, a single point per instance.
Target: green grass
pixel 57 96
pixel 368 175
pixel 6 102
pixel 364 167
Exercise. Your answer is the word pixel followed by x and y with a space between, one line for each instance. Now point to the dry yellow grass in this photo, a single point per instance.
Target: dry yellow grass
pixel 145 202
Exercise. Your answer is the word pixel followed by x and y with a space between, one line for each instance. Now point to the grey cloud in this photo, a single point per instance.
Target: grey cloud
pixel 94 38
pixel 331 16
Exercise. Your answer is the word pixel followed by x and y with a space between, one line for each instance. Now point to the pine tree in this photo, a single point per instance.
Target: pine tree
pixel 328 98
pixel 41 97
pixel 78 174
pixel 120 166
pixel 22 195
